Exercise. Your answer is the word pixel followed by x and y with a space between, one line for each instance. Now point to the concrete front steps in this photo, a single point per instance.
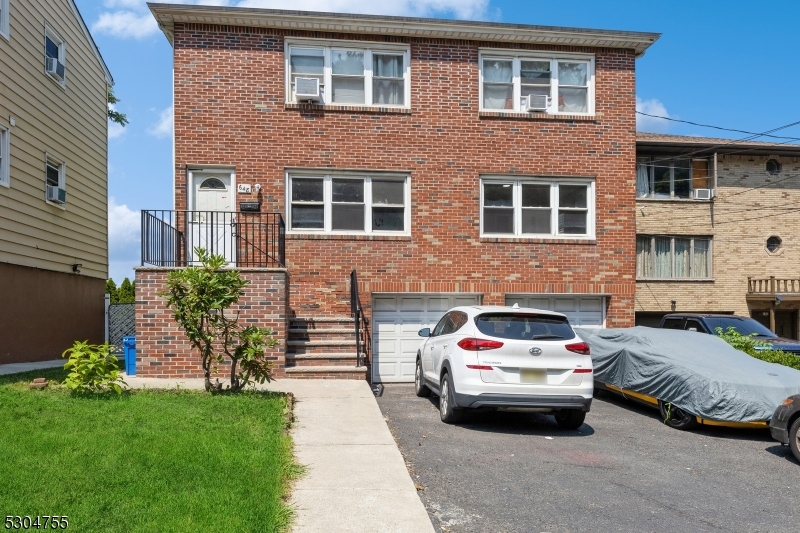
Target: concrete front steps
pixel 323 347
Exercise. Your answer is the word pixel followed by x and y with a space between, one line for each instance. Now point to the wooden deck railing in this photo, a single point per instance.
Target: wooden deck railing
pixel 773 285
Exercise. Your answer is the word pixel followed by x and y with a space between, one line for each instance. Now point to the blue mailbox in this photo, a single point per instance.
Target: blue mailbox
pixel 129 349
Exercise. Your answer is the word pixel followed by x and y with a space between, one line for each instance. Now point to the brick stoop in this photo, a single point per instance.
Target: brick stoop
pixel 323 348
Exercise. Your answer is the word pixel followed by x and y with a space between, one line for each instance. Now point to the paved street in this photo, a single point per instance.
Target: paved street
pixel 622 471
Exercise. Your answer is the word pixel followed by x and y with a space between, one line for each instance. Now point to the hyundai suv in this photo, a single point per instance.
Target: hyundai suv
pixel 506 358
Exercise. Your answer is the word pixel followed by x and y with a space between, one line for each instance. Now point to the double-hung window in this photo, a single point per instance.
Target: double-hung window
pixel 55 56
pixel 671 257
pixel 345 204
pixel 5 167
pixel 559 84
pixel 537 208
pixel 55 180
pixel 350 74
pixel 4 18
pixel 668 177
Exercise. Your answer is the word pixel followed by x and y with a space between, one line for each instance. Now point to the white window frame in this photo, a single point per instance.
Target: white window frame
pixel 653 162
pixel 517 57
pixel 50 33
pixel 368 48
pixel 5 157
pixel 672 268
pixel 554 183
pixel 54 161
pixel 5 19
pixel 327 194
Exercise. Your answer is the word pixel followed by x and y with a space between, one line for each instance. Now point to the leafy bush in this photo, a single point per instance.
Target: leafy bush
pixel 758 349
pixel 199 298
pixel 92 368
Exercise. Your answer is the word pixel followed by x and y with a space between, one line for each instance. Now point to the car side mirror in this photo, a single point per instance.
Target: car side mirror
pixel 424 332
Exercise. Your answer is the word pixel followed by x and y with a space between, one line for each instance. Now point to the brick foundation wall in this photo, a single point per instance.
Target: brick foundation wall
pixel 162 349
pixel 230 110
pixel 751 205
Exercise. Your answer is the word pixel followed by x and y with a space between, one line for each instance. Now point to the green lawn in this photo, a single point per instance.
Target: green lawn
pixel 146 461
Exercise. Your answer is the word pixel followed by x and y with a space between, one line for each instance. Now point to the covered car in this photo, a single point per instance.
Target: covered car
pixel 692 377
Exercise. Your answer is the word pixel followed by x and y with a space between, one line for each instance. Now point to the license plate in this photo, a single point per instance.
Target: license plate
pixel 527 375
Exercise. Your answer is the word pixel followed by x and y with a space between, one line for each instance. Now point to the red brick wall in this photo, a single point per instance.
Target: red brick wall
pixel 162 349
pixel 230 110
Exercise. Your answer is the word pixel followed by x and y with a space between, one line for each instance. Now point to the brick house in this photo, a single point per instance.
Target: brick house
pixel 715 224
pixel 312 145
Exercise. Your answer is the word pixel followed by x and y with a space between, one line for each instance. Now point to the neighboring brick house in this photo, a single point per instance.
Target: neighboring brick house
pixel 419 165
pixel 716 224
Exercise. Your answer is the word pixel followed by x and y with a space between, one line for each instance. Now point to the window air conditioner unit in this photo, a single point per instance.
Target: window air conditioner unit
pixel 703 194
pixel 306 89
pixel 54 194
pixel 536 102
pixel 54 68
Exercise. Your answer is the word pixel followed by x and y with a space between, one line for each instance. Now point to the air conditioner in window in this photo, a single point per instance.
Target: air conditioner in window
pixel 306 89
pixel 54 194
pixel 536 102
pixel 703 194
pixel 54 68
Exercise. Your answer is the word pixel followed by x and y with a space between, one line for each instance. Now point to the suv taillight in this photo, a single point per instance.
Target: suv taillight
pixel 472 344
pixel 578 347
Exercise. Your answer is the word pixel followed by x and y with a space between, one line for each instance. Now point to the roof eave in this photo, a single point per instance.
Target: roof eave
pixel 722 147
pixel 167 14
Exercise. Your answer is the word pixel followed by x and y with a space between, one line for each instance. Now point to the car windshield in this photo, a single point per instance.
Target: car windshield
pixel 745 326
pixel 524 326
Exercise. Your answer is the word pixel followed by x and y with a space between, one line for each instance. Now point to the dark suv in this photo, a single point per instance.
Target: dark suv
pixel 708 323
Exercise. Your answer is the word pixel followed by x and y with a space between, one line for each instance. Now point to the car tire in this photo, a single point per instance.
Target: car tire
pixel 794 438
pixel 448 411
pixel 569 419
pixel 420 388
pixel 675 417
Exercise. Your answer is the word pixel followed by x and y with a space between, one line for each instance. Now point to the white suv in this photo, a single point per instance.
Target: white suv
pixel 506 358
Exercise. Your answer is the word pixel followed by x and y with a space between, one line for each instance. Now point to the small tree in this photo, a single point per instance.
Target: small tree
pixel 199 298
pixel 111 290
pixel 126 294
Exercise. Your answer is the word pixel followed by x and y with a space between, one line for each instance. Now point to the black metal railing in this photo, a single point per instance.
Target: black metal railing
pixel 361 322
pixel 245 239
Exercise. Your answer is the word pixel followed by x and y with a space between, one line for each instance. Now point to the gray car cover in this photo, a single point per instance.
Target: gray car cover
pixel 697 372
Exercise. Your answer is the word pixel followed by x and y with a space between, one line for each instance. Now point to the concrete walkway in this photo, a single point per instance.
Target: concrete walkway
pixel 355 480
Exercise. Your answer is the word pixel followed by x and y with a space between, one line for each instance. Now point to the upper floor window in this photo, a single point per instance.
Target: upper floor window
pixel 537 82
pixel 55 180
pixel 537 208
pixel 5 167
pixel 665 257
pixel 349 204
pixel 348 74
pixel 55 56
pixel 667 177
pixel 4 18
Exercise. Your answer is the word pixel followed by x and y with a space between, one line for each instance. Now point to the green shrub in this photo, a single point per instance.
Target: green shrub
pixel 92 368
pixel 758 349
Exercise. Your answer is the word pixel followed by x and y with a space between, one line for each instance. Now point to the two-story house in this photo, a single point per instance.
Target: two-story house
pixel 53 180
pixel 716 227
pixel 445 162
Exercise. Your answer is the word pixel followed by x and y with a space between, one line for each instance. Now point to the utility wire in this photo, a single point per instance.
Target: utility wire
pixel 716 127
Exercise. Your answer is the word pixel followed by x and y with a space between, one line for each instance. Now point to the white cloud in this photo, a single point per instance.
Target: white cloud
pixel 124 226
pixel 131 19
pixel 162 128
pixel 115 130
pixel 651 124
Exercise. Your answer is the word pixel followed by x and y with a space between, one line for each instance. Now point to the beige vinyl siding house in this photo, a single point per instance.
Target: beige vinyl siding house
pixel 53 121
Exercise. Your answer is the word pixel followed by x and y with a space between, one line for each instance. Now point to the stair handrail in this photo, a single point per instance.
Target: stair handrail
pixel 355 311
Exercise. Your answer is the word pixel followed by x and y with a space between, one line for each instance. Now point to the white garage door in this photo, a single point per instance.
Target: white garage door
pixel 396 319
pixel 580 310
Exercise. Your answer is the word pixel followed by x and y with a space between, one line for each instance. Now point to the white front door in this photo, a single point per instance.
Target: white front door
pixel 212 225
pixel 396 319
pixel 581 310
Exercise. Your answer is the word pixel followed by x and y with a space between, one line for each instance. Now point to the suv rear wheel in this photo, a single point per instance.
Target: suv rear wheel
pixel 570 419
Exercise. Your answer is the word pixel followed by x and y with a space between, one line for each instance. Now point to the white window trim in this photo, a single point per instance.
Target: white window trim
pixel 5 20
pixel 516 56
pixel 327 192
pixel 50 33
pixel 368 48
pixel 5 153
pixel 52 160
pixel 554 182
pixel 672 276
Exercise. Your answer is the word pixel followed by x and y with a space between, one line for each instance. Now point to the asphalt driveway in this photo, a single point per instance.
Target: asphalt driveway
pixel 623 470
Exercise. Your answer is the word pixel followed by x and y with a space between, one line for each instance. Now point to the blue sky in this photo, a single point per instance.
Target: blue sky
pixel 726 63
